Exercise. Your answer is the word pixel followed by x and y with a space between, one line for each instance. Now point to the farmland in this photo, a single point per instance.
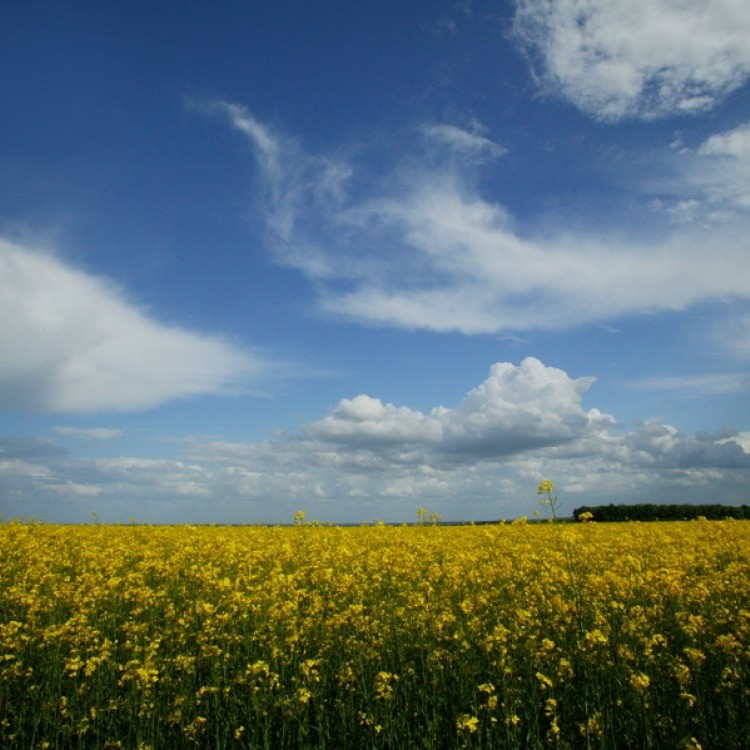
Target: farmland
pixel 519 635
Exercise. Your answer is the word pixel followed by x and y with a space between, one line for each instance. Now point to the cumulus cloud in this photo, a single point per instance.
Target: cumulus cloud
pixel 663 446
pixel 367 421
pixel 734 143
pixel 72 342
pixel 481 458
pixel 741 438
pixel 637 58
pixel 515 409
pixel 425 250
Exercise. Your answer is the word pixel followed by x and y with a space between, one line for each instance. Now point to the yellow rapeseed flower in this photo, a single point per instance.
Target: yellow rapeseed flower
pixel 639 681
pixel 467 723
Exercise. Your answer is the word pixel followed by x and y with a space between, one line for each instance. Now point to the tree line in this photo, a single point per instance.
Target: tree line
pixel 659 512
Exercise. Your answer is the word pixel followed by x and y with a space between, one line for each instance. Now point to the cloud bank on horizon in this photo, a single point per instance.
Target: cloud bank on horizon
pixel 367 456
pixel 420 233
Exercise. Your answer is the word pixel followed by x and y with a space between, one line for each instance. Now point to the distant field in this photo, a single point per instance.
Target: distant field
pixel 429 636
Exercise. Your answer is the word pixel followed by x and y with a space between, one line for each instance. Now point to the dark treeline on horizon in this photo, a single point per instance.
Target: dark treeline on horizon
pixel 657 512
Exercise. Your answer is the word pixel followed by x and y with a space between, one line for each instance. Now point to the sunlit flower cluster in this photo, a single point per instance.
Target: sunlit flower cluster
pixel 508 635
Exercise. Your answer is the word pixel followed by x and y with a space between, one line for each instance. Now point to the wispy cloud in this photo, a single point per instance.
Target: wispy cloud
pixel 423 249
pixel 72 342
pixel 302 192
pixel 463 141
pixel 473 273
pixel 734 337
pixel 637 58
pixel 89 433
pixel 697 385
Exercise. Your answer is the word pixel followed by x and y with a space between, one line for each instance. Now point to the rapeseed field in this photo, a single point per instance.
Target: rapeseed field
pixel 311 636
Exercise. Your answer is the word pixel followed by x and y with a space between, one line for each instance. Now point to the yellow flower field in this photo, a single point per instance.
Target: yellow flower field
pixel 499 636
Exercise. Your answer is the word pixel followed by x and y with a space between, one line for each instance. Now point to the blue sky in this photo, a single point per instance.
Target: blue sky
pixel 357 258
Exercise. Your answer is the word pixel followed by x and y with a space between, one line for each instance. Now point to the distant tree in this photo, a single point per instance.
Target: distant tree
pixel 661 512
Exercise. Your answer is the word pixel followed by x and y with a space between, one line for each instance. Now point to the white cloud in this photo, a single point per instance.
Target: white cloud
pixel 741 438
pixel 682 211
pixel 723 170
pixel 665 448
pixel 734 143
pixel 708 185
pixel 89 433
pixel 425 250
pixel 638 58
pixel 75 489
pixel 301 190
pixel 514 410
pixel 465 141
pixel 20 469
pixel 367 420
pixel 469 271
pixel 71 342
